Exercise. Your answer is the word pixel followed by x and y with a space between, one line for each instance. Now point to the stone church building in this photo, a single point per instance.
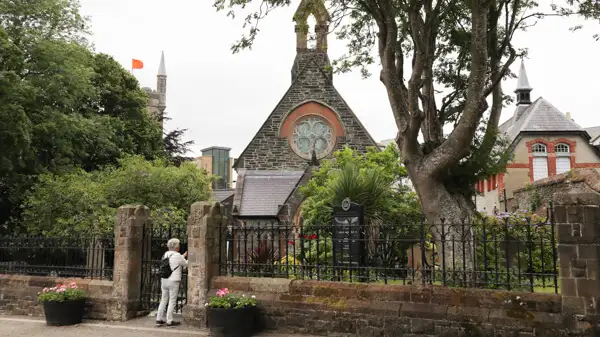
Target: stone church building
pixel 545 142
pixel 309 123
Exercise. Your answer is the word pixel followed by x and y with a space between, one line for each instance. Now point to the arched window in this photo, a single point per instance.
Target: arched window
pixel 563 158
pixel 540 161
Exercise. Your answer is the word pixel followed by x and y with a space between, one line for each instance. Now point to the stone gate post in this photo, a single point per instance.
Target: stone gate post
pixel 204 223
pixel 127 273
pixel 577 217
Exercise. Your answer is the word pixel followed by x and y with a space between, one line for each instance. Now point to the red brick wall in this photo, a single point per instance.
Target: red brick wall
pixel 365 310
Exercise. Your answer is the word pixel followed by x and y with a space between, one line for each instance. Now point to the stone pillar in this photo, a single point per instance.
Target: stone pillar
pixel 577 217
pixel 127 274
pixel 204 223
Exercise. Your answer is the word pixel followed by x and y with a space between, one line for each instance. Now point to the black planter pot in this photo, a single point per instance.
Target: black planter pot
pixel 64 313
pixel 231 322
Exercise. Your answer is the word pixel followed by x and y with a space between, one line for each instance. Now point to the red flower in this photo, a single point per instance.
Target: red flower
pixel 313 237
pixel 291 242
pixel 305 236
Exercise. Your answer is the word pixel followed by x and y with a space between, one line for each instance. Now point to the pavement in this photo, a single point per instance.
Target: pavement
pixel 11 326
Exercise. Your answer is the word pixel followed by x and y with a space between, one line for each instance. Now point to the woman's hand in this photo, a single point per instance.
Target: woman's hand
pixel 185 255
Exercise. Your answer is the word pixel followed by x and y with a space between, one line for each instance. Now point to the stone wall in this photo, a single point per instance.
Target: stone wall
pixel 541 192
pixel 18 296
pixel 365 310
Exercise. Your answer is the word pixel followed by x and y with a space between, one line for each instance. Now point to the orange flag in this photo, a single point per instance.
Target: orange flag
pixel 136 64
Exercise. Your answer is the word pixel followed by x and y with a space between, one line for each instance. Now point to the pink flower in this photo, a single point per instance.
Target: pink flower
pixel 45 290
pixel 61 290
pixel 222 292
pixel 73 285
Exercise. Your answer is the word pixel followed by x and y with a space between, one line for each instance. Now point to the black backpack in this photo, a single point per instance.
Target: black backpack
pixel 165 267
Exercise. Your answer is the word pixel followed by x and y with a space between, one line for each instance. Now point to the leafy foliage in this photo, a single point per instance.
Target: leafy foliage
pixel 62 107
pixel 373 179
pixel 226 300
pixel 61 293
pixel 86 202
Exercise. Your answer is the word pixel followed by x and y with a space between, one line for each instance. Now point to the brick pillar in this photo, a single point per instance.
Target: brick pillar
pixel 577 216
pixel 204 223
pixel 127 274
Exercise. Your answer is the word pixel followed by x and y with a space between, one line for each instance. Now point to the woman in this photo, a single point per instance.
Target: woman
pixel 173 262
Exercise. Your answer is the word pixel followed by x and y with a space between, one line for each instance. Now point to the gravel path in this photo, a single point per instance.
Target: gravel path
pixel 11 326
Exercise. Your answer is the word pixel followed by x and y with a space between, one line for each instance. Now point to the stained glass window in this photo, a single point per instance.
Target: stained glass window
pixel 313 132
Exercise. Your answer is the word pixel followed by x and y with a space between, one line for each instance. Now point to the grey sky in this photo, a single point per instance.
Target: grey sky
pixel 223 99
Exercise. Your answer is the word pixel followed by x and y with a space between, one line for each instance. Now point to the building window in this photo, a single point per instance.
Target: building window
pixel 563 158
pixel 540 161
pixel 313 133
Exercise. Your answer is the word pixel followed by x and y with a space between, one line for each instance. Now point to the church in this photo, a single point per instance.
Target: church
pixel 310 122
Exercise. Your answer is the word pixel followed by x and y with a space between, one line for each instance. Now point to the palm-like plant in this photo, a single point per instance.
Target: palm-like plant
pixel 367 186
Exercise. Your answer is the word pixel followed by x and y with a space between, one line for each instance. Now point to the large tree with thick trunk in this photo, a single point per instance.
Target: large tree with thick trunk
pixel 442 64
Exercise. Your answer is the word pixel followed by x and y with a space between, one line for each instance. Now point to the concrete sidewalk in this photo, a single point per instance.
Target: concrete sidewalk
pixel 11 326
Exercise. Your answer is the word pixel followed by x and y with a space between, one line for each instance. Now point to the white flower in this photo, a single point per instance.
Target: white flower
pixel 244 295
pixel 518 298
pixel 253 296
pixel 206 304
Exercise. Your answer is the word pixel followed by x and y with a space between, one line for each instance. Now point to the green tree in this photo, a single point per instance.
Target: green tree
pixel 86 202
pixel 62 107
pixel 373 179
pixel 442 64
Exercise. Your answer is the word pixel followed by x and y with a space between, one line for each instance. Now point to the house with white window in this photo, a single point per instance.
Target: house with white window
pixel 545 142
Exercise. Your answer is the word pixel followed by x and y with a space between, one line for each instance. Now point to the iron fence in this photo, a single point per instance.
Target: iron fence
pixel 488 254
pixel 58 257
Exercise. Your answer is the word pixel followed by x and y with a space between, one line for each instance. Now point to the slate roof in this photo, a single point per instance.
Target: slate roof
pixel 221 195
pixel 264 191
pixel 594 132
pixel 539 116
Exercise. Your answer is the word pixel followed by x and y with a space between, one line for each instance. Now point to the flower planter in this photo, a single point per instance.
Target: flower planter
pixel 69 312
pixel 231 322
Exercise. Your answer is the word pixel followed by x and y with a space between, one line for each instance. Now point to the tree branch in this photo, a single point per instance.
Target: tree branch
pixel 457 145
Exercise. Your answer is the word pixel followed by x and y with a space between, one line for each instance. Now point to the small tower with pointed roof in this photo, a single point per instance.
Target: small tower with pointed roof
pixel 523 92
pixel 157 99
pixel 161 84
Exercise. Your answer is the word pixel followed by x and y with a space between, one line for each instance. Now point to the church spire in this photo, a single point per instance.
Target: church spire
pixel 523 88
pixel 162 70
pixel 161 84
pixel 318 10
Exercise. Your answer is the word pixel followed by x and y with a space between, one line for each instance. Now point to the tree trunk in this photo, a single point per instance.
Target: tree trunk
pixel 449 217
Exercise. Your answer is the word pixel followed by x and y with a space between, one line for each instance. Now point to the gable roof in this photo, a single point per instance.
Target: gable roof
pixel 594 132
pixel 264 191
pixel 307 63
pixel 540 116
pixel 221 195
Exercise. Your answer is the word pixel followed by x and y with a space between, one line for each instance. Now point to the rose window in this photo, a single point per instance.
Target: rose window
pixel 313 133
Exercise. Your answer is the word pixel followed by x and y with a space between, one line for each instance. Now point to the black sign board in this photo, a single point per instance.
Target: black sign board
pixel 349 235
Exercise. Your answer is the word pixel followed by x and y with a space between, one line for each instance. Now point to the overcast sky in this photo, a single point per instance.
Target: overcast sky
pixel 223 99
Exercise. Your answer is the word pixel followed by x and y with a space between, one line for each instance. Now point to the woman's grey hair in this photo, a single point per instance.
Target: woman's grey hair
pixel 172 244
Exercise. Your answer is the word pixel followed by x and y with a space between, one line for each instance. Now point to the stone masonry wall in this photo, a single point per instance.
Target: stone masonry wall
pixel 365 310
pixel 18 295
pixel 542 192
pixel 268 151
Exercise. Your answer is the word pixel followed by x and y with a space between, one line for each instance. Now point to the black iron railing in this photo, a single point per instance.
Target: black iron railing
pixel 489 254
pixel 58 257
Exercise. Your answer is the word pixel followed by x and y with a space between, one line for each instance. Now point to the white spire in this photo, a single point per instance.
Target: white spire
pixel 523 81
pixel 162 70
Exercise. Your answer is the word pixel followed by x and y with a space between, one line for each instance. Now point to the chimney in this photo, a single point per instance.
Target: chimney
pixel 568 115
